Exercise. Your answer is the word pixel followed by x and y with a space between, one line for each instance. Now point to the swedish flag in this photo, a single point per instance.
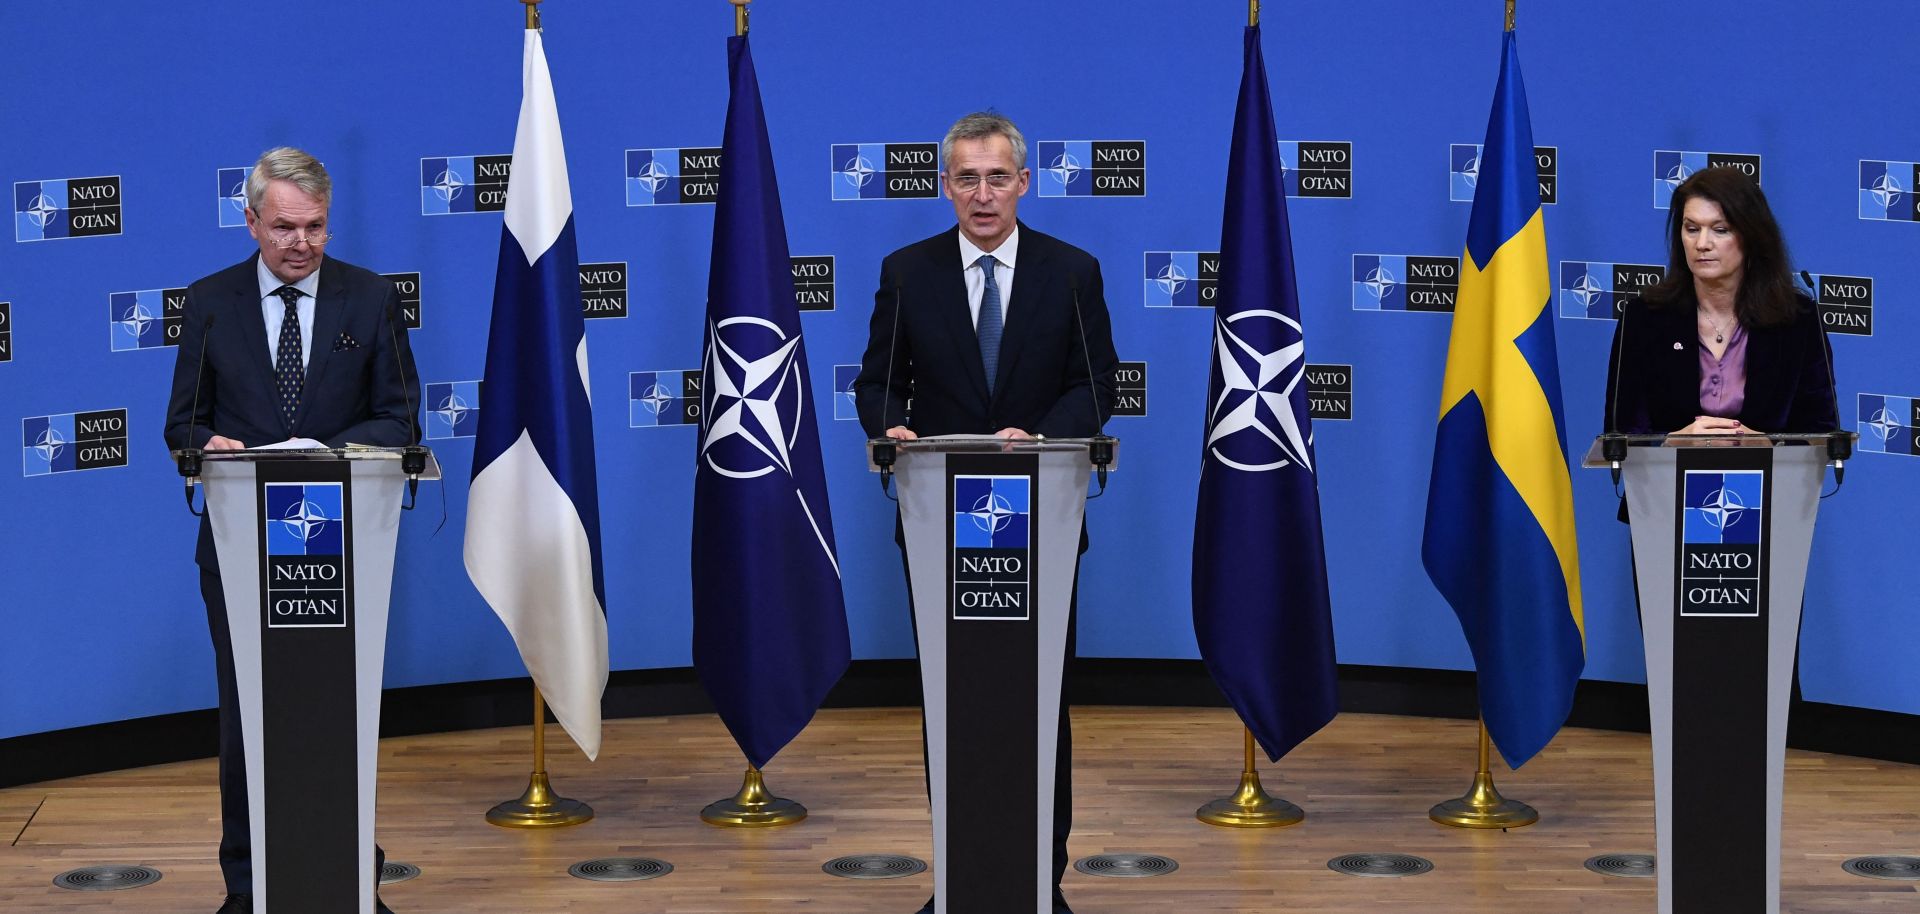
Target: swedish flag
pixel 1500 534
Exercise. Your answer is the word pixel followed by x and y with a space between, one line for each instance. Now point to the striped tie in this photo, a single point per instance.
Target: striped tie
pixel 289 374
pixel 989 327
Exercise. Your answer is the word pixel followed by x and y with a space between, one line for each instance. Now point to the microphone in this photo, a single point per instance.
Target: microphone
pixel 883 449
pixel 188 458
pixel 1839 446
pixel 413 458
pixel 1100 445
pixel 1613 445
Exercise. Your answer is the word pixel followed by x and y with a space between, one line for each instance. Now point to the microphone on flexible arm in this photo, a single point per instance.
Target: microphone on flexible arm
pixel 413 457
pixel 1613 445
pixel 188 458
pixel 1839 446
pixel 1100 445
pixel 882 449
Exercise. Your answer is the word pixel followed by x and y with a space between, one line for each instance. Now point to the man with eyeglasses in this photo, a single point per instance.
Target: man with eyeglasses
pixel 991 328
pixel 295 345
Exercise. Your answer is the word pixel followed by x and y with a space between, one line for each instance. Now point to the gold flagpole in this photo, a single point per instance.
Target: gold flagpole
pixel 539 806
pixel 1250 806
pixel 739 16
pixel 1483 806
pixel 1509 15
pixel 533 14
pixel 1253 12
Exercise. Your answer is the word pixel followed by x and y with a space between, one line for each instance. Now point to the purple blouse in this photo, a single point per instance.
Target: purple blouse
pixel 1723 381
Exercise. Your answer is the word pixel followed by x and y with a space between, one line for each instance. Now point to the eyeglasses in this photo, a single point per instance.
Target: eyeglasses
pixel 286 238
pixel 967 184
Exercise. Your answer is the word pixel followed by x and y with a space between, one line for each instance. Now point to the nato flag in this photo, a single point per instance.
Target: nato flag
pixel 769 621
pixel 1260 605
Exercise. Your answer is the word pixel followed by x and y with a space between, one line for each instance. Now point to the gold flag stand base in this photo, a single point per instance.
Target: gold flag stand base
pixel 1483 806
pixel 1250 806
pixel 539 806
pixel 753 807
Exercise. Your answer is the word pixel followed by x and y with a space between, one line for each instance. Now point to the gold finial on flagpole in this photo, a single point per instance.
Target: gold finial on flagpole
pixel 1253 13
pixel 1483 806
pixel 1509 15
pixel 533 14
pixel 739 16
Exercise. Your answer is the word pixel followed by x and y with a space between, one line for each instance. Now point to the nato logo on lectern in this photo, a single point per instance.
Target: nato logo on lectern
pixel 408 287
pixel 1180 279
pixel 603 290
pixel 992 547
pixel 306 554
pixel 6 331
pixel 1670 167
pixel 453 409
pixel 73 441
pixel 1889 191
pixel 1092 168
pixel 1405 282
pixel 230 196
pixel 1463 172
pixel 66 208
pixel 1317 168
pixel 1720 566
pixel 884 171
pixel 660 398
pixel 669 177
pixel 464 184
pixel 1600 290
pixel 1889 425
pixel 147 319
pixel 1845 302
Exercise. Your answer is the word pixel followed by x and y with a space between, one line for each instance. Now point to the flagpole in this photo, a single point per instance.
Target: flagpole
pixel 1483 806
pixel 1250 806
pixel 1509 15
pixel 539 806
pixel 739 16
pixel 533 14
pixel 1253 13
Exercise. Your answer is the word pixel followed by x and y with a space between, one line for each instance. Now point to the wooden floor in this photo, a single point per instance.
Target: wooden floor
pixel 1366 783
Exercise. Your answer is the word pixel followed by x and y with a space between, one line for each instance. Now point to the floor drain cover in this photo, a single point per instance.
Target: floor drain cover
pixel 1639 866
pixel 1380 865
pixel 1126 865
pixel 109 878
pixel 1884 867
pixel 874 866
pixel 621 869
pixel 392 872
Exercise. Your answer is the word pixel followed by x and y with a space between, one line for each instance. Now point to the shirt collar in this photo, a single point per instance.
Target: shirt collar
pixel 310 284
pixel 1005 255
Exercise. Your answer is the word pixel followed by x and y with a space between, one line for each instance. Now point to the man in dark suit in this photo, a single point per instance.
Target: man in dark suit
pixel 991 328
pixel 295 345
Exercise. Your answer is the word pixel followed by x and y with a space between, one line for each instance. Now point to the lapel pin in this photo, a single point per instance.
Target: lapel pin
pixel 1677 347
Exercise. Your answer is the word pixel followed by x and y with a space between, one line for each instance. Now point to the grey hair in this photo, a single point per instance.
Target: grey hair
pixel 295 166
pixel 980 125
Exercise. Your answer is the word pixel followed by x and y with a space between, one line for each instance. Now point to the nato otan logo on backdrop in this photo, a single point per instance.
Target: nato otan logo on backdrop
pixel 73 441
pixel 464 184
pixel 1317 168
pixel 453 409
pixel 885 171
pixel 1330 392
pixel 603 289
pixel 1180 279
pixel 1597 290
pixel 1670 167
pixel 669 177
pixel 230 195
pixel 992 547
pixel 1405 282
pixel 1092 168
pixel 844 407
pixel 813 282
pixel 1889 424
pixel 147 319
pixel 6 331
pixel 1463 172
pixel 408 286
pixel 1130 389
pixel 657 398
pixel 1888 191
pixel 1719 561
pixel 1845 302
pixel 306 554
pixel 69 208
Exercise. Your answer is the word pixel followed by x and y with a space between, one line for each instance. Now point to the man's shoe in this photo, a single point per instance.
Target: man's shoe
pixel 236 904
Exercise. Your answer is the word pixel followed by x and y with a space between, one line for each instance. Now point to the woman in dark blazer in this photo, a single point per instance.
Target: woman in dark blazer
pixel 1724 345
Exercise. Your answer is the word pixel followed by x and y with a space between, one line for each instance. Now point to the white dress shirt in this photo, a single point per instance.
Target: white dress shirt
pixel 274 309
pixel 1003 257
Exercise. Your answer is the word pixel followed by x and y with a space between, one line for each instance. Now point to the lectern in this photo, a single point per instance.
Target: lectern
pixel 992 539
pixel 1722 526
pixel 305 541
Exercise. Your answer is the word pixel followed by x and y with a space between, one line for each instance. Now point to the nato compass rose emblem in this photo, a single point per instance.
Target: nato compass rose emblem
pixel 1379 283
pixel 453 409
pixel 656 398
pixel 1722 509
pixel 1677 174
pixel 136 320
pixel 1586 291
pixel 49 444
pixel 1471 172
pixel 653 177
pixel 1065 167
pixel 1171 279
pixel 992 513
pixel 1260 357
pixel 304 520
pixel 1883 424
pixel 41 210
pixel 448 185
pixel 754 398
pixel 1886 189
pixel 859 172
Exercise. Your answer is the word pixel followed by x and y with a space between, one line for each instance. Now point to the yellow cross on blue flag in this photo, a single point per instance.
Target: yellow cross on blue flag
pixel 1499 541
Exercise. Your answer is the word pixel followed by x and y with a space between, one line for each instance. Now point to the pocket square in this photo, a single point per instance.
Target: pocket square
pixel 344 342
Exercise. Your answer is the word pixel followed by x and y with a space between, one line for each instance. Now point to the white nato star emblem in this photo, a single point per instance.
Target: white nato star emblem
pixel 1883 424
pixel 1255 400
pixel 1886 188
pixel 448 185
pixel 304 520
pixel 237 197
pixel 858 171
pixel 41 210
pixel 136 319
pixel 1471 171
pixel 1677 174
pixel 1586 290
pixel 992 513
pixel 453 409
pixel 1171 279
pixel 1064 168
pixel 1379 283
pixel 49 444
pixel 1722 508
pixel 656 398
pixel 653 177
pixel 746 395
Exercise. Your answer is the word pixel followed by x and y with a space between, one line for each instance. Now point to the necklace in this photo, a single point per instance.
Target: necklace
pixel 1719 336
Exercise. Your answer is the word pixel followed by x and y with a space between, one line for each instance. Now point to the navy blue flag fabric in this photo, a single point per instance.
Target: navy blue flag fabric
pixel 1261 610
pixel 769 619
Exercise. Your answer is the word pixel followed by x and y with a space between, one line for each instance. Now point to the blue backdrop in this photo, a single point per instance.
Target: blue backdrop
pixel 102 616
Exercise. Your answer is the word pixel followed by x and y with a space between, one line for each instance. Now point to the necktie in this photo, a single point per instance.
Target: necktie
pixel 988 328
pixel 288 373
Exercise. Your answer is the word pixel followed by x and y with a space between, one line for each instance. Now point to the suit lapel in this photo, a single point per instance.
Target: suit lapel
pixel 253 330
pixel 950 287
pixel 329 314
pixel 1029 283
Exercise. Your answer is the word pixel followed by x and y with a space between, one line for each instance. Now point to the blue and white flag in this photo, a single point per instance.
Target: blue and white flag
pixel 533 516
pixel 769 620
pixel 1260 606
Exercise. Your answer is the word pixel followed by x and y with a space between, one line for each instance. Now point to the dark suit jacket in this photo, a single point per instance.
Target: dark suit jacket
pixel 359 388
pixel 1655 366
pixel 1055 377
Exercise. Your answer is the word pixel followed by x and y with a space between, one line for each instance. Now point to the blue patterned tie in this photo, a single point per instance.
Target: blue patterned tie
pixel 289 374
pixel 989 327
